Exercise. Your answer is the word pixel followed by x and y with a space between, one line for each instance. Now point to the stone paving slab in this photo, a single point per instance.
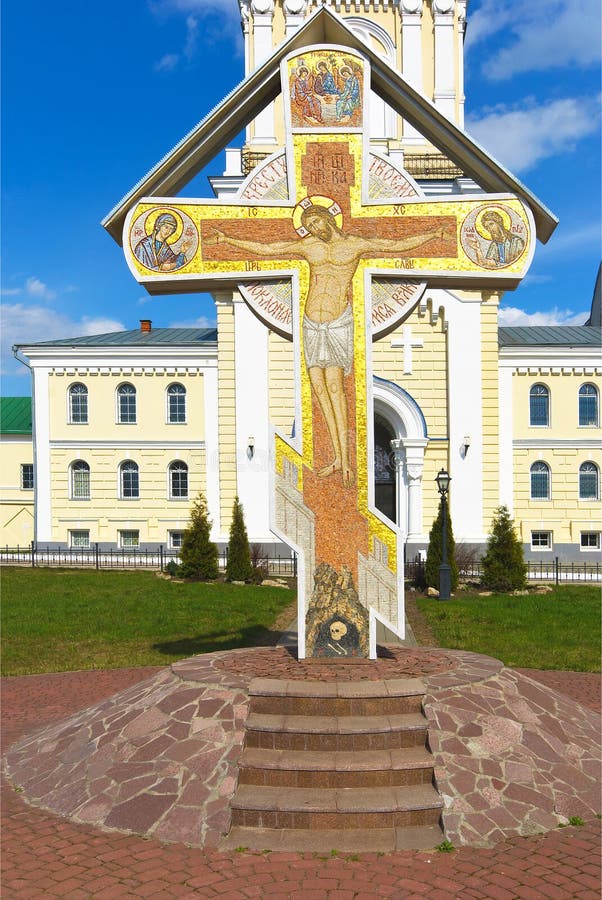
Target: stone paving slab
pixel 160 758
pixel 46 856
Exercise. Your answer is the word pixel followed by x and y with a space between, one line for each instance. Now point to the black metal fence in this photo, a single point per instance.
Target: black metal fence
pixel 95 557
pixel 555 571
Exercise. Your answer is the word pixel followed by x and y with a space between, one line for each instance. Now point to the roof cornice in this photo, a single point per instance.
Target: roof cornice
pixel 262 86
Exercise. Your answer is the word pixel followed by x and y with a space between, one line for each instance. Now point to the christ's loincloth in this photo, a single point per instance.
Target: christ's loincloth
pixel 329 343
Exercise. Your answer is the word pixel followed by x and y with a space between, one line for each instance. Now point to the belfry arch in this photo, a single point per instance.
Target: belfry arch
pixel 397 413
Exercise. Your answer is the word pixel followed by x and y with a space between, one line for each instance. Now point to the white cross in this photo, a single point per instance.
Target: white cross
pixel 407 343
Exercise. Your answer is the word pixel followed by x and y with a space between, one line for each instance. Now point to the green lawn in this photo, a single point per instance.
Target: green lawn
pixel 62 620
pixel 560 630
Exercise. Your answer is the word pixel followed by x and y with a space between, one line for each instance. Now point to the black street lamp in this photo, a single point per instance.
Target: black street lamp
pixel 443 479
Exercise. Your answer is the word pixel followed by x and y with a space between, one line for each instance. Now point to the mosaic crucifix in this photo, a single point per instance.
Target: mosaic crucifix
pixel 330 237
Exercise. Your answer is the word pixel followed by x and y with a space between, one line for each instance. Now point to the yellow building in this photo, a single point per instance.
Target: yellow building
pixel 450 389
pixel 17 479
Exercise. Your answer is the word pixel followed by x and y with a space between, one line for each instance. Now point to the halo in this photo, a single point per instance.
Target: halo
pixel 154 215
pixel 317 200
pixel 501 210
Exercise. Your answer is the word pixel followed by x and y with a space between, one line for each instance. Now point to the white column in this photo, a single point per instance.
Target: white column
pixel 409 461
pixel 41 449
pixel 445 82
pixel 263 15
pixel 252 421
pixel 211 411
pixel 411 61
pixel 460 60
pixel 506 433
pixel 465 403
pixel 295 12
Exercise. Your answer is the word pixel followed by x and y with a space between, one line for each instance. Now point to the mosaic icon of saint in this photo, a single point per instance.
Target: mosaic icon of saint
pixel 154 251
pixel 504 246
pixel 333 258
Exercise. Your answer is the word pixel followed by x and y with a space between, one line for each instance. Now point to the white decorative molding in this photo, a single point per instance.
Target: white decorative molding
pixel 127 445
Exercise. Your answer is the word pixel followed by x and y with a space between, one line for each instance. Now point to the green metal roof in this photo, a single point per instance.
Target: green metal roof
pixel 138 338
pixel 15 415
pixel 550 336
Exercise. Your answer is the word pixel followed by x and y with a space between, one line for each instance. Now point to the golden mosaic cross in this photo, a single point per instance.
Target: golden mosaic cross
pixel 330 235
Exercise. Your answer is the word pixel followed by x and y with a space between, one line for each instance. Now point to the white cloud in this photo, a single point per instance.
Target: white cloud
pixel 511 315
pixel 520 137
pixel 23 324
pixel 199 322
pixel 538 35
pixel 36 288
pixel 167 62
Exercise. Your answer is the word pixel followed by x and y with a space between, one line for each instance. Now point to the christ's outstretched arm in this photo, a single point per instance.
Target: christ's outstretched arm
pixel 400 245
pixel 272 250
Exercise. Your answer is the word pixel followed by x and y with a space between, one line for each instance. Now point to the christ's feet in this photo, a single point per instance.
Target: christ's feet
pixel 336 466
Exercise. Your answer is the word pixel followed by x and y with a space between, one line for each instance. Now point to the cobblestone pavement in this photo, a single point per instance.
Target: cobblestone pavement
pixel 47 856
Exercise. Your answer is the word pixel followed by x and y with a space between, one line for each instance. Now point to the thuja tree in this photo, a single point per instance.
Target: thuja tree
pixel 504 567
pixel 434 554
pixel 238 567
pixel 199 553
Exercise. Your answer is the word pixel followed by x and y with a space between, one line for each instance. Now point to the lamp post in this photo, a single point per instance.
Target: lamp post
pixel 443 479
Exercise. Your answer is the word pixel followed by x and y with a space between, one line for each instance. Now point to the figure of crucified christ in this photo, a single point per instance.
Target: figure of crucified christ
pixel 333 258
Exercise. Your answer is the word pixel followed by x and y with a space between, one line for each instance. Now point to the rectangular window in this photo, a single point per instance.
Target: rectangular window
pixel 79 539
pixel 129 540
pixel 541 540
pixel 27 476
pixel 590 540
pixel 175 539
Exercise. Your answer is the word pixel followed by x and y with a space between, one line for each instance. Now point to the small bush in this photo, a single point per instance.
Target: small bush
pixel 199 553
pixel 172 568
pixel 238 567
pixel 504 567
pixel 434 555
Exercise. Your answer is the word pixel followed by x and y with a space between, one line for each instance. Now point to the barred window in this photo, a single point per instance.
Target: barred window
pixel 78 404
pixel 80 480
pixel 590 540
pixel 129 480
pixel 588 405
pixel 176 404
pixel 539 405
pixel 129 540
pixel 540 481
pixel 178 480
pixel 27 476
pixel 541 540
pixel 126 404
pixel 79 539
pixel 589 481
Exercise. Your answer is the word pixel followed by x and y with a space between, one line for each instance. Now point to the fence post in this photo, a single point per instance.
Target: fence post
pixel 160 557
pixel 556 571
pixel 33 555
pixel 295 565
pixel 96 556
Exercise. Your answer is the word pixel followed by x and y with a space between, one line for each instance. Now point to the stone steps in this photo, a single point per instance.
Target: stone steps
pixel 336 766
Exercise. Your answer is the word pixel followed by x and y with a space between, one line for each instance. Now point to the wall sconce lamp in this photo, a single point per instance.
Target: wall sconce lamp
pixel 250 447
pixel 465 444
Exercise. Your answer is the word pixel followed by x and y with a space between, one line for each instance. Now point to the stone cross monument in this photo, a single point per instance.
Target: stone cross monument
pixel 354 242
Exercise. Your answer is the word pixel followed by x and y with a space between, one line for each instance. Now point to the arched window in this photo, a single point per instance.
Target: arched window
pixel 176 404
pixel 178 480
pixel 588 405
pixel 126 404
pixel 540 481
pixel 385 498
pixel 129 481
pixel 79 480
pixel 589 481
pixel 78 404
pixel 539 405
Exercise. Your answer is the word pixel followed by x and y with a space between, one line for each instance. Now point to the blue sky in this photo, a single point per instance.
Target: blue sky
pixel 95 94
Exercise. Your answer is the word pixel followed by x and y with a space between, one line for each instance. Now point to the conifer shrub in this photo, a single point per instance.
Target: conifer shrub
pixel 434 554
pixel 238 567
pixel 198 553
pixel 504 567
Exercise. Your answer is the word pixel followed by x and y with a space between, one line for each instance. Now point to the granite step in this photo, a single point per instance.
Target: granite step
pixel 338 808
pixel 333 842
pixel 364 698
pixel 295 732
pixel 333 769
